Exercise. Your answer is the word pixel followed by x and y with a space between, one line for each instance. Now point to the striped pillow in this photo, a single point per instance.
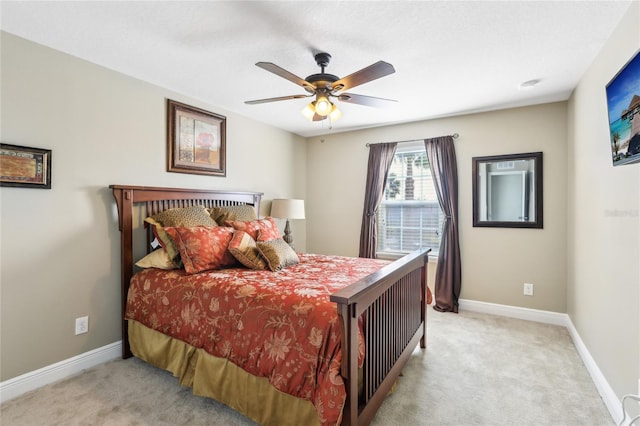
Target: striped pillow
pixel 244 248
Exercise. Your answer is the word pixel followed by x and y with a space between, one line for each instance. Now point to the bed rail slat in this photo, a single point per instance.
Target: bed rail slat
pixel 389 331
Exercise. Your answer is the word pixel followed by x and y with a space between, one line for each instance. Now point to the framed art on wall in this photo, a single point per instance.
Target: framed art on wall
pixel 623 104
pixel 26 167
pixel 196 140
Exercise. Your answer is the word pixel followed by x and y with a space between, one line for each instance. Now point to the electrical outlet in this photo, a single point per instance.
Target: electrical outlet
pixel 528 289
pixel 82 325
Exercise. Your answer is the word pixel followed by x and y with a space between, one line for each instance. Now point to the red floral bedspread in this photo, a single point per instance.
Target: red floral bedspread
pixel 278 325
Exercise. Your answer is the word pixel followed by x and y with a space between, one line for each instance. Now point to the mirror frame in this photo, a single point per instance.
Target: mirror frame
pixel 537 190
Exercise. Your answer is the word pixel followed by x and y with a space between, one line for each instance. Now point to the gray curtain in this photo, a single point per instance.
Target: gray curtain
pixel 442 159
pixel 380 158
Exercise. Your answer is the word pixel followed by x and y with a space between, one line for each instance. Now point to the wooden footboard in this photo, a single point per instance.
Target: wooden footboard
pixel 394 319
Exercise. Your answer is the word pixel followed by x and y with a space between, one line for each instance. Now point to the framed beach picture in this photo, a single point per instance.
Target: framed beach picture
pixel 26 167
pixel 196 140
pixel 623 103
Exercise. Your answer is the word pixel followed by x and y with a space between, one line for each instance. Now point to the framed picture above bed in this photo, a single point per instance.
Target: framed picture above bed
pixel 196 140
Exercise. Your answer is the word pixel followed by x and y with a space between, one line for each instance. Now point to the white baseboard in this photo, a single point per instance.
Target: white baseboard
pixel 611 401
pixel 546 317
pixel 607 394
pixel 17 386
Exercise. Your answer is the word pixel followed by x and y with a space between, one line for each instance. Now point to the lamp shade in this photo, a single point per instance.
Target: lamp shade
pixel 287 208
pixel 323 106
pixel 309 111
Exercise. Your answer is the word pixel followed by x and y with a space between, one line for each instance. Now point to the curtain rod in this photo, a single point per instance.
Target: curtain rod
pixel 455 136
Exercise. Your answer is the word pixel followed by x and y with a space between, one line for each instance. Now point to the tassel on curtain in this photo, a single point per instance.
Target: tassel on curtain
pixel 442 159
pixel 380 159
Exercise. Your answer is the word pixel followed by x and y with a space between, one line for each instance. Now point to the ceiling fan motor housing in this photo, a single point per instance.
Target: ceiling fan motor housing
pixel 322 59
pixel 322 80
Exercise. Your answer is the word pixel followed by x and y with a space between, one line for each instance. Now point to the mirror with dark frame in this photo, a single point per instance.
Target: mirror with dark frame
pixel 507 191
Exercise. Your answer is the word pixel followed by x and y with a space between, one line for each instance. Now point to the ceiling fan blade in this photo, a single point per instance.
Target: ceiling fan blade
pixel 365 75
pixel 371 101
pixel 280 98
pixel 271 67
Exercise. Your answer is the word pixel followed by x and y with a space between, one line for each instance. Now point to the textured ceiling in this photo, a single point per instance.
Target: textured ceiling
pixel 451 57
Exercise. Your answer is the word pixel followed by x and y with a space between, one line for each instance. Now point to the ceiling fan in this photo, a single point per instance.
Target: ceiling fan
pixel 325 86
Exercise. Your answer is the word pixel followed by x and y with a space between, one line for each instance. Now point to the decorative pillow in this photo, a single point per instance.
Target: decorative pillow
pixel 278 254
pixel 156 259
pixel 186 217
pixel 260 230
pixel 243 212
pixel 244 248
pixel 203 248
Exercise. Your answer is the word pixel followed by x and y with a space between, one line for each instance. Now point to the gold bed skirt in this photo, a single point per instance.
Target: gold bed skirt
pixel 220 379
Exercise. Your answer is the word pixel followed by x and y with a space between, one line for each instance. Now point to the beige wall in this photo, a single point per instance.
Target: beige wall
pixel 496 262
pixel 604 222
pixel 60 247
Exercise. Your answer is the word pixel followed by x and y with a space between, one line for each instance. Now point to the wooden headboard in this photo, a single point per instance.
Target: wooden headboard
pixel 152 200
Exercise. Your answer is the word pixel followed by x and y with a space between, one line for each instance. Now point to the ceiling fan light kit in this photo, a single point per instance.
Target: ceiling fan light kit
pixel 335 114
pixel 323 106
pixel 309 111
pixel 312 113
pixel 325 86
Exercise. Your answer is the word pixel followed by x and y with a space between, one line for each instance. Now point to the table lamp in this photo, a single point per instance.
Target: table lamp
pixel 287 209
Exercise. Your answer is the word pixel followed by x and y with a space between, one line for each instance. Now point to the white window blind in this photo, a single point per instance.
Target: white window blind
pixel 409 217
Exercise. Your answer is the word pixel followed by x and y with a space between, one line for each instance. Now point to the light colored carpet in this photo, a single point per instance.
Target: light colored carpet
pixel 477 370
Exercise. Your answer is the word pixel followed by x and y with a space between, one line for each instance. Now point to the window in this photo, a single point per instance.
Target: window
pixel 409 216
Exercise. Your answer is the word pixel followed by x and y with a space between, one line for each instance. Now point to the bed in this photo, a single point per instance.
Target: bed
pixel 374 314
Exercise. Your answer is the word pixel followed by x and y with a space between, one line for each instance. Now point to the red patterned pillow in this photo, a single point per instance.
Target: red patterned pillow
pixel 260 230
pixel 188 216
pixel 203 248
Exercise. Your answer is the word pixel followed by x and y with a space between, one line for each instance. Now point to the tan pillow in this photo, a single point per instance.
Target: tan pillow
pixel 244 248
pixel 186 217
pixel 278 254
pixel 156 259
pixel 242 213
